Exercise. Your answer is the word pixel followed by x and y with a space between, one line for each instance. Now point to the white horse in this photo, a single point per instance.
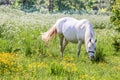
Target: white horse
pixel 75 31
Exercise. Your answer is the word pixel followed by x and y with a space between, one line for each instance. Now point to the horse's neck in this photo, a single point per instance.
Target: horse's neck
pixel 89 34
pixel 90 30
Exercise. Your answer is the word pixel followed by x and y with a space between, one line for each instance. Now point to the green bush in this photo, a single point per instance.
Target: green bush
pixel 99 54
pixel 115 19
pixel 115 16
pixel 116 43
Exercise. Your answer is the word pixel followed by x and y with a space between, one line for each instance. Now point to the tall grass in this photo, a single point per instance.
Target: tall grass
pixel 34 60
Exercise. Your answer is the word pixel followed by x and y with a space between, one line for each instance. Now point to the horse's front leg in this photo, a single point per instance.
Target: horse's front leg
pixel 79 47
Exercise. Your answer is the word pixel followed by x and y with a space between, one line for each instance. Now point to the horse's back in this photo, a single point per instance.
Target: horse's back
pixel 64 22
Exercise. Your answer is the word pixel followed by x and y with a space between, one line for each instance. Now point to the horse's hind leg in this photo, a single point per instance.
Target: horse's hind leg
pixel 65 42
pixel 79 47
pixel 61 44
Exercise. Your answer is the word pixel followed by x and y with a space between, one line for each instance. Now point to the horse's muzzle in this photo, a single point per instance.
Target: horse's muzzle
pixel 91 55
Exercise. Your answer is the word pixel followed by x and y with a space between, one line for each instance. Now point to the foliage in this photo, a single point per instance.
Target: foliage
pixel 115 16
pixel 65 6
pixel 116 43
pixel 115 19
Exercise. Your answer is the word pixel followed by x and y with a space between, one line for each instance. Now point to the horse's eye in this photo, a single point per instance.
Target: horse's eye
pixel 89 47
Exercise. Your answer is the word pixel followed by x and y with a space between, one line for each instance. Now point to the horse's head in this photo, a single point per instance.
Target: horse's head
pixel 91 48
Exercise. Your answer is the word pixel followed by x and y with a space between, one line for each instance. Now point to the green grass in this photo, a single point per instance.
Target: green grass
pixel 33 60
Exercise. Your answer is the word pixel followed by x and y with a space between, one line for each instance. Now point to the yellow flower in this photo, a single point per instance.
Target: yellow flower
pixel 70 67
pixel 68 59
pixel 8 63
pixel 7 58
pixel 93 78
pixel 84 76
pixel 38 64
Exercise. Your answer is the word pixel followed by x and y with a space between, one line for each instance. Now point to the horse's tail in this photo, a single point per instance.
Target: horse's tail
pixel 46 36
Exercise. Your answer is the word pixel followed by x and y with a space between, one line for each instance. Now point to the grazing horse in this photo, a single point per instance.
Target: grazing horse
pixel 75 31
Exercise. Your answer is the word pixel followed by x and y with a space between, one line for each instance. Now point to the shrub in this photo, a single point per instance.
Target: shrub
pixel 115 16
pixel 99 55
pixel 116 43
pixel 115 19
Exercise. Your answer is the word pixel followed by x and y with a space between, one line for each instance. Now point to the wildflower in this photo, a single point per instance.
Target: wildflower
pixel 68 59
pixel 38 64
pixel 70 67
pixel 7 63
pixel 93 78
pixel 7 58
pixel 84 76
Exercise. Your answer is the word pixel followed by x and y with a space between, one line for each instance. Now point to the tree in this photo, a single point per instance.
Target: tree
pixel 5 2
pixel 50 7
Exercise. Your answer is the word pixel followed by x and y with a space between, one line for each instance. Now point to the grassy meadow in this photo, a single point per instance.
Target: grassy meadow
pixel 24 56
